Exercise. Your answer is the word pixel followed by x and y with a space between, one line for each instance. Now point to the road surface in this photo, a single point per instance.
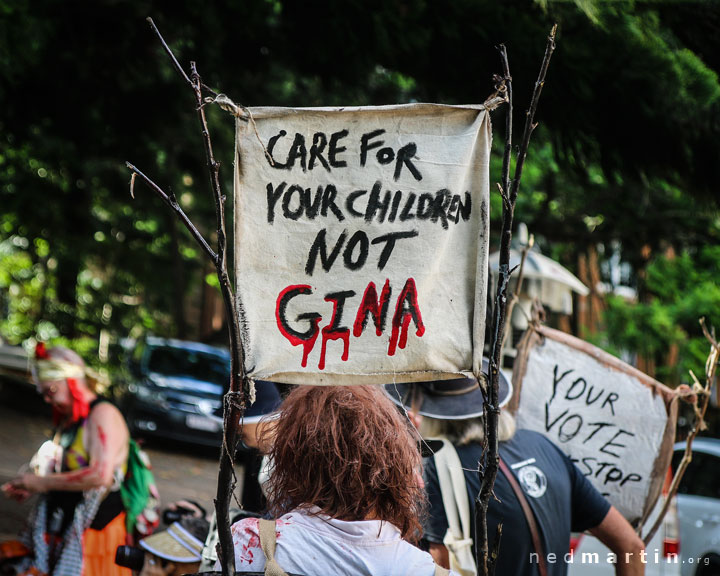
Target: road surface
pixel 180 471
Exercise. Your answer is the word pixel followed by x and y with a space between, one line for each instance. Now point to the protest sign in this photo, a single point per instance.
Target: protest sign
pixel 361 242
pixel 616 423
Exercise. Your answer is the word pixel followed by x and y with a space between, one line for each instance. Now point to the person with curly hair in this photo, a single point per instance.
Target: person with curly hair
pixel 345 489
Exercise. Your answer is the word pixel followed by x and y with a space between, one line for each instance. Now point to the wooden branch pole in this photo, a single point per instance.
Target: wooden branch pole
pixel 509 191
pixel 515 296
pixel 239 385
pixel 703 393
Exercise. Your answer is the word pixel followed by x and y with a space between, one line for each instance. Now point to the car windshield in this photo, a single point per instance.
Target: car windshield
pixel 189 364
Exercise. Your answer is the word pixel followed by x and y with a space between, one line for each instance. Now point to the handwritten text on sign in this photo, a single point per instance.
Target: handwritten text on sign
pixel 607 422
pixel 364 217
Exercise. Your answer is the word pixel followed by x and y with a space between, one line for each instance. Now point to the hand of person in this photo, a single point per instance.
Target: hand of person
pixel 27 483
pixel 11 490
pixel 196 512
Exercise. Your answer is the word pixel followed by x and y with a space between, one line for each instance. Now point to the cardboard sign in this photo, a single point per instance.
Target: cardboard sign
pixel 616 423
pixel 362 242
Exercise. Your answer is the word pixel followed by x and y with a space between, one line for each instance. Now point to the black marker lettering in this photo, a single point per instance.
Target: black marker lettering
pixel 287 198
pixel 549 425
pixel 566 436
pixel 385 156
pixel 335 149
pixel 272 197
pixel 297 150
pixel 610 442
pixel 319 246
pixel 312 207
pixel 350 202
pixel 404 156
pixel 316 150
pixel 589 468
pixel 613 475
pixel 557 381
pixel 373 306
pixel 465 209
pixel 389 240
pixel 452 212
pixel 328 201
pixel 358 238
pixel 425 206
pixel 632 477
pixel 339 299
pixel 590 400
pixel 366 145
pixel 600 426
pixel 572 387
pixel 440 206
pixel 374 204
pixel 395 204
pixel 271 147
pixel 405 214
pixel 609 400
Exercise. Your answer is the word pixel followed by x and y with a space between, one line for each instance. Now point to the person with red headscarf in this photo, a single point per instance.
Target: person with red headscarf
pixel 79 519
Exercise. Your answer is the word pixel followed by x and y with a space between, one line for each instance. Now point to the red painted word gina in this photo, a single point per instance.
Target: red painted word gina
pixel 305 329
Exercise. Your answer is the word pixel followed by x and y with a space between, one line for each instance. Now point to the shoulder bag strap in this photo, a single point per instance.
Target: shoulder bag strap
pixel 453 490
pixel 532 523
pixel 440 571
pixel 267 543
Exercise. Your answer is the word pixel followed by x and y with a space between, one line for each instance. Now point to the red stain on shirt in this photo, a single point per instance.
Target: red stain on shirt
pixel 250 533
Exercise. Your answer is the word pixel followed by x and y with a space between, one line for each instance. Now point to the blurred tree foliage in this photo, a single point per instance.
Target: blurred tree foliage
pixel 682 289
pixel 627 152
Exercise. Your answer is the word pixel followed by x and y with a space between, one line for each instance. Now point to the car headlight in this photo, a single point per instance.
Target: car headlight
pixel 151 395
pixel 208 406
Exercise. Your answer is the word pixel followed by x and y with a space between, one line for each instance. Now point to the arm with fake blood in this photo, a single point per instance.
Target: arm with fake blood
pixel 107 447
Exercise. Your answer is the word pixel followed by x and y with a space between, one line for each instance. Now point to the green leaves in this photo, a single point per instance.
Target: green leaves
pixel 626 152
pixel 679 291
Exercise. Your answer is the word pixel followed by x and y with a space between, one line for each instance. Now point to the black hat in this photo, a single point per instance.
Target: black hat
pixel 456 399
pixel 267 401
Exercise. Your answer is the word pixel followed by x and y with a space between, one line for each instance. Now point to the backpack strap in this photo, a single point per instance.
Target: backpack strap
pixel 532 523
pixel 453 490
pixel 266 529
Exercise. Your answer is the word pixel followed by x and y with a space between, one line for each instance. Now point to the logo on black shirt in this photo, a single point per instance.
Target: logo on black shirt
pixel 533 480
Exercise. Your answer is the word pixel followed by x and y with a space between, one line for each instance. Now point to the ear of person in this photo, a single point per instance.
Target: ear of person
pixel 415 418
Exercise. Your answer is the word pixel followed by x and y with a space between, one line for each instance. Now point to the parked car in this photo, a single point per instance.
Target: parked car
pixel 15 365
pixel 699 508
pixel 690 530
pixel 172 390
pixel 590 557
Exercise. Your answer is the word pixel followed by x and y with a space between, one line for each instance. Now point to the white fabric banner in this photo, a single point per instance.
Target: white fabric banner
pixel 616 423
pixel 361 249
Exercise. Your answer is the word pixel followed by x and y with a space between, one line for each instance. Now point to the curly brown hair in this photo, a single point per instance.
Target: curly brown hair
pixel 349 452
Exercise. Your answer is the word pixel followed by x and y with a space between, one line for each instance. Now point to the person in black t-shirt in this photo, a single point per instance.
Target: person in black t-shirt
pixel 560 497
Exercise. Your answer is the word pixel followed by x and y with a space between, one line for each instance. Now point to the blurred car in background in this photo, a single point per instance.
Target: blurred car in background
pixel 698 500
pixel 590 557
pixel 171 390
pixel 688 541
pixel 15 365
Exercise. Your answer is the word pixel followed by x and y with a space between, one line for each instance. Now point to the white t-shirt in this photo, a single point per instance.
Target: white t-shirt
pixel 319 546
